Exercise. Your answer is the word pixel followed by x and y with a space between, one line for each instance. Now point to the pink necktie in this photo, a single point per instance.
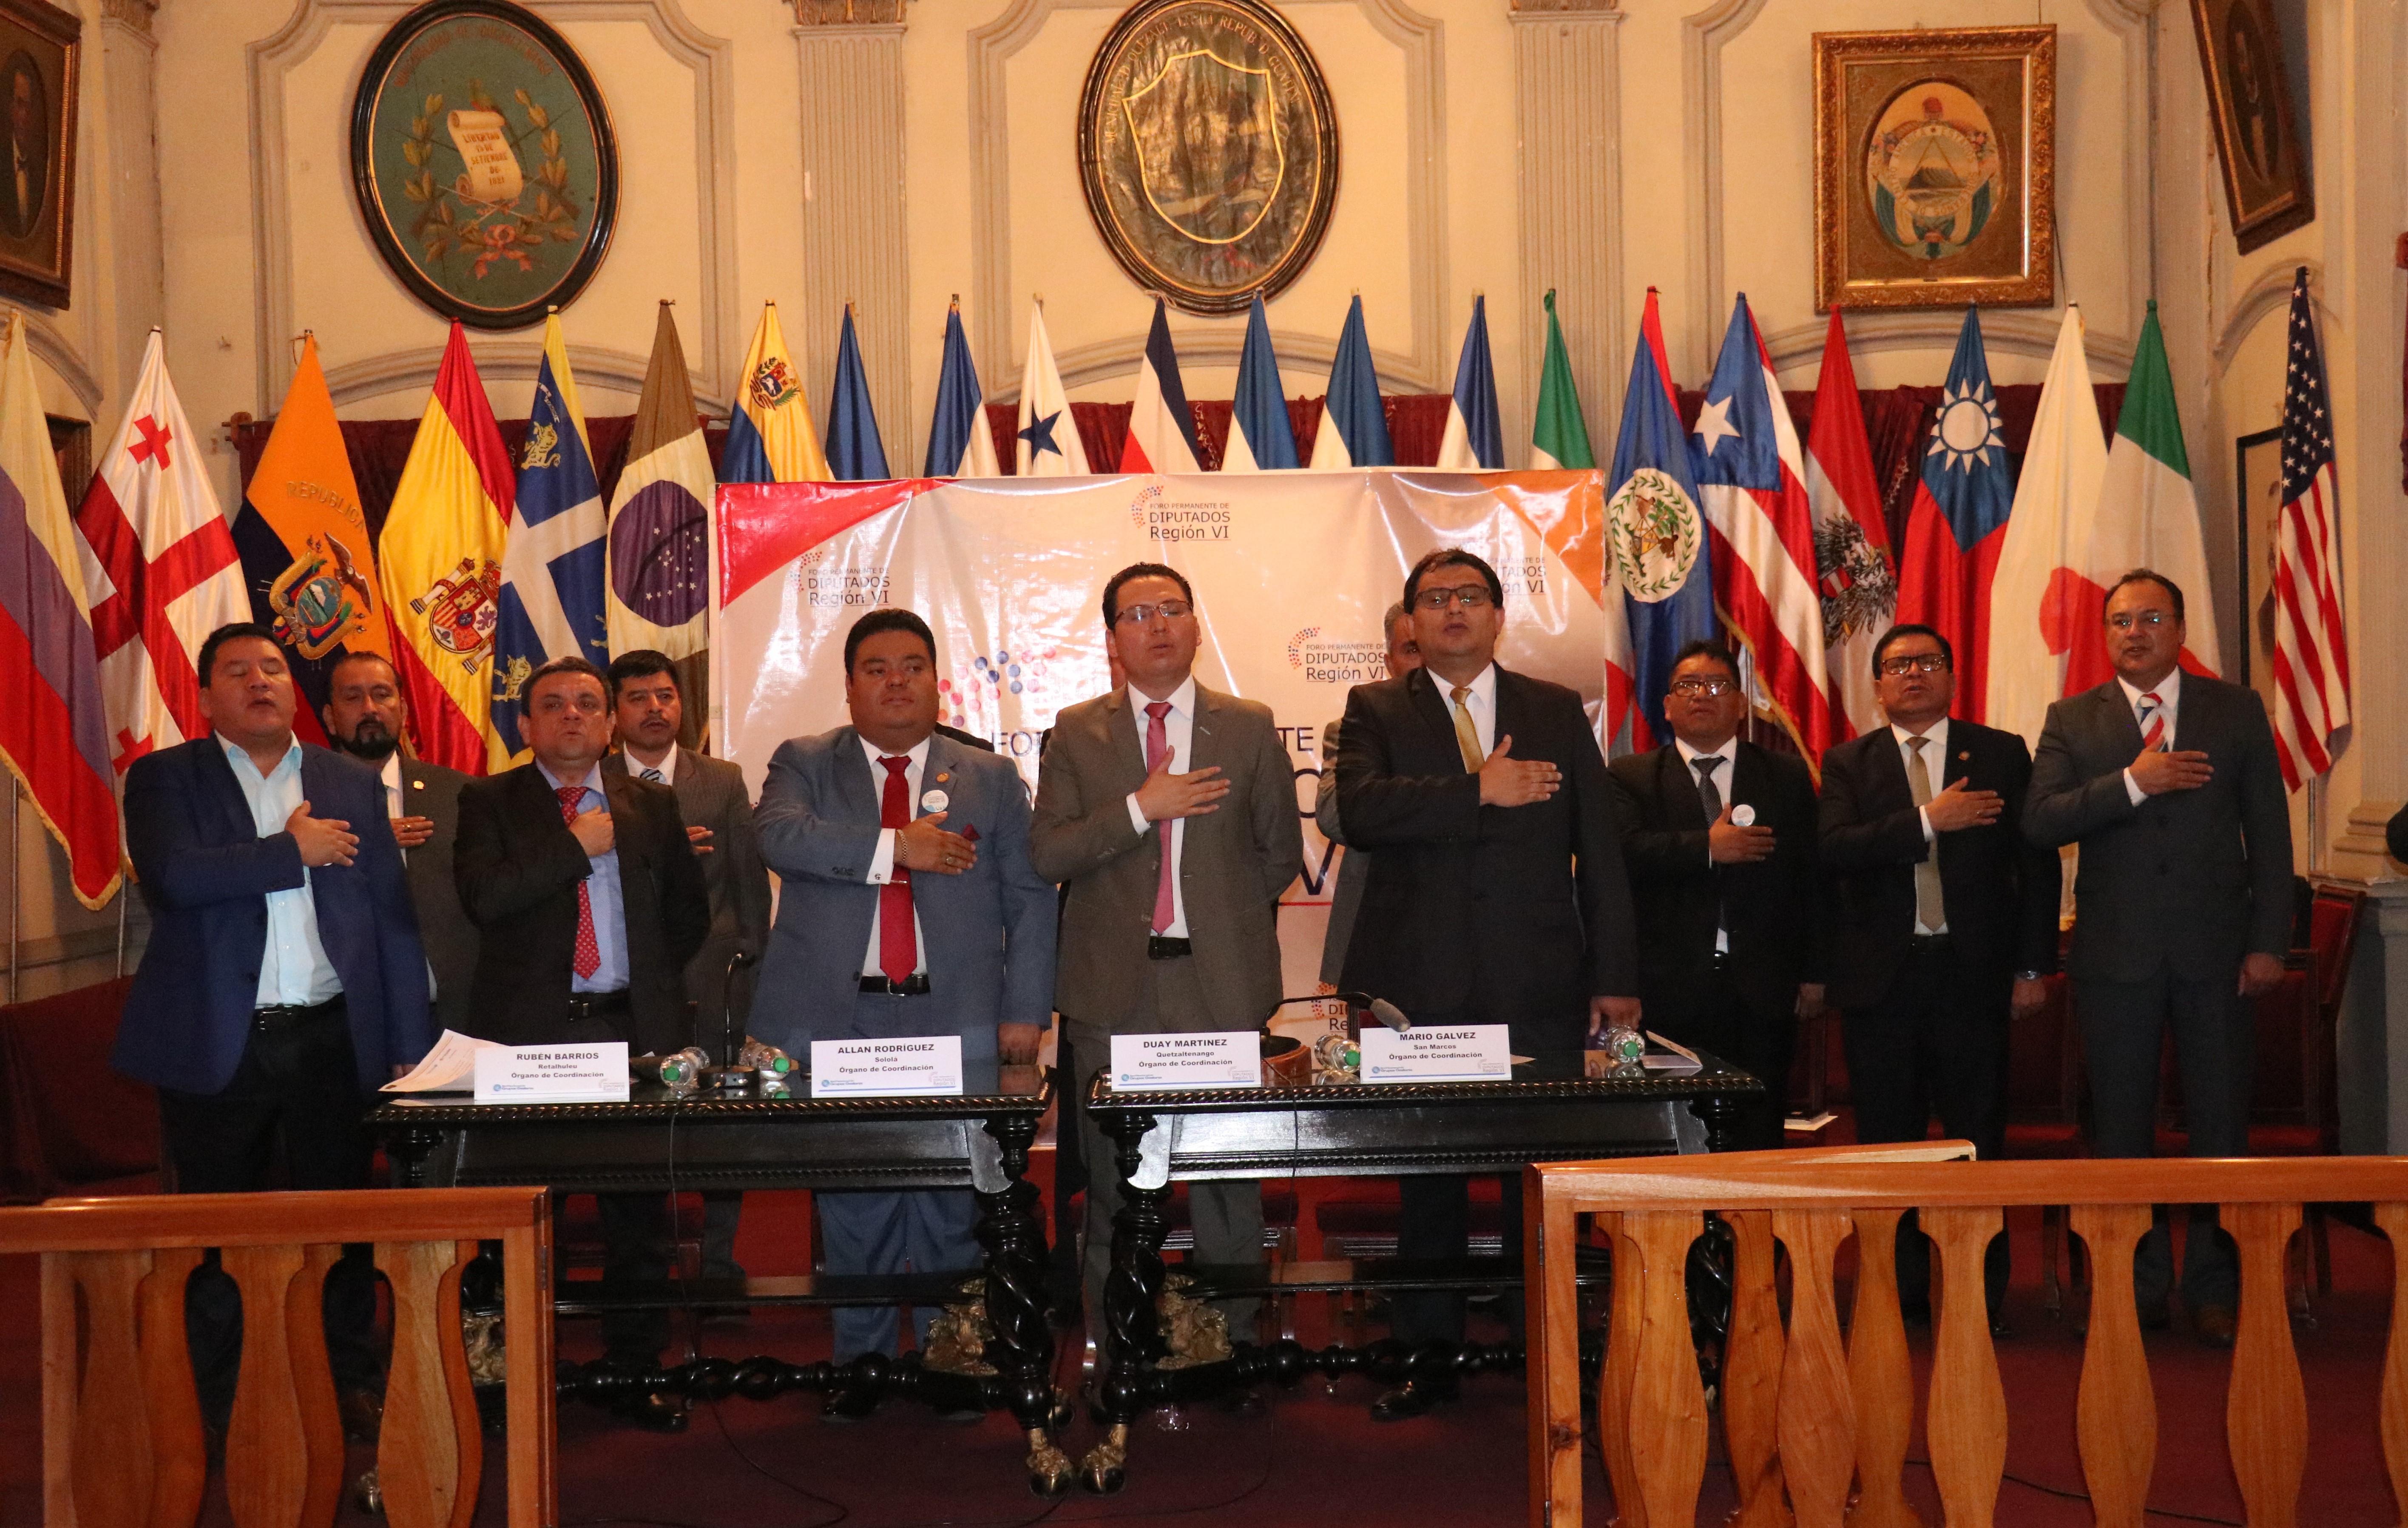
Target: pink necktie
pixel 898 943
pixel 2152 720
pixel 588 958
pixel 1157 743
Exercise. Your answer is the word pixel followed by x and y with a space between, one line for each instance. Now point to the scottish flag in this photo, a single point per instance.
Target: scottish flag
pixel 553 564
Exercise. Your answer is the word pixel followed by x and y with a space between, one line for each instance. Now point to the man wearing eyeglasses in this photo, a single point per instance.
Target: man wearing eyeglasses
pixel 1719 836
pixel 2169 783
pixel 1945 921
pixel 1496 894
pixel 1168 812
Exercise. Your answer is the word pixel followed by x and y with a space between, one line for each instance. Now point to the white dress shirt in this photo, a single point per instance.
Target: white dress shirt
pixel 293 967
pixel 1179 734
pixel 2168 693
pixel 1728 754
pixel 881 863
pixel 1480 703
pixel 1935 768
pixel 391 775
pixel 666 768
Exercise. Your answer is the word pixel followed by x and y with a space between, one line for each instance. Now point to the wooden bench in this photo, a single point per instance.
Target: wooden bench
pixel 1807 1415
pixel 122 1438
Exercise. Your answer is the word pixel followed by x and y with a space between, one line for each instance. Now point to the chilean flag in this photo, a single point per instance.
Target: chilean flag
pixel 1953 530
pixel 1760 523
pixel 1161 428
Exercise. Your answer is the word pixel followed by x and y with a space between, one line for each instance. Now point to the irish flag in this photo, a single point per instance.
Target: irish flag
pixel 441 563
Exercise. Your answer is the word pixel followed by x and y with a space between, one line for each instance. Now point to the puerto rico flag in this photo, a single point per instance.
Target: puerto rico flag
pixel 1953 530
pixel 1161 428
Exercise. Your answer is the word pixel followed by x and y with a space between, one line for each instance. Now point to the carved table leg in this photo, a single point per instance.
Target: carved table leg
pixel 1720 1112
pixel 1022 1348
pixel 1132 1335
pixel 407 1151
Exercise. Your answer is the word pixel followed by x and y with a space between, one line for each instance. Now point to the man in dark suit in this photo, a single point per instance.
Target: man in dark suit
pixel 910 909
pixel 365 716
pixel 1718 836
pixel 283 982
pixel 1496 894
pixel 1946 918
pixel 591 904
pixel 2169 783
pixel 1354 866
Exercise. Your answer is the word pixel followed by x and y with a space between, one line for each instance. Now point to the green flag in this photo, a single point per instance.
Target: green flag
pixel 1558 439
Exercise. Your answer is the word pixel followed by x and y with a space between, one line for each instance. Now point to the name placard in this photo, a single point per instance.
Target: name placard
pixel 1219 1059
pixel 1465 1053
pixel 921 1066
pixel 554 1074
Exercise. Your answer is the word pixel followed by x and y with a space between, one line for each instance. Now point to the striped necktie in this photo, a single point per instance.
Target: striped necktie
pixel 2153 722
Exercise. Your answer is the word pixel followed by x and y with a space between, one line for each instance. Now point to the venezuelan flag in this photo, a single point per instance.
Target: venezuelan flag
pixel 53 731
pixel 442 557
pixel 770 438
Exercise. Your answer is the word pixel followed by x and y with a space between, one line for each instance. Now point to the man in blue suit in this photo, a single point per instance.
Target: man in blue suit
pixel 282 985
pixel 910 909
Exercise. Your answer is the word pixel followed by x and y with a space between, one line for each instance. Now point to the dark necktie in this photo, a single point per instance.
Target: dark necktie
pixel 655 776
pixel 1710 795
pixel 898 943
pixel 588 958
pixel 1157 741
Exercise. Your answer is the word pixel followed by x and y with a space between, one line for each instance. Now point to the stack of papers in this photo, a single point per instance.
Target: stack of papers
pixel 449 1067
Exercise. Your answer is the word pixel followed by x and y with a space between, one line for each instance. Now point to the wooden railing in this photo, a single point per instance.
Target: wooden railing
pixel 122 1435
pixel 1805 1415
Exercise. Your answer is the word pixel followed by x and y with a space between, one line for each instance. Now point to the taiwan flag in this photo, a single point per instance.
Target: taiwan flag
pixel 1954 531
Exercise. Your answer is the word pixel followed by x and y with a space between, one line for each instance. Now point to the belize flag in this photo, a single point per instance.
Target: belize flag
pixel 1354 424
pixel 555 562
pixel 1656 534
pixel 1752 480
pixel 1161 428
pixel 959 443
pixel 1952 529
pixel 1261 437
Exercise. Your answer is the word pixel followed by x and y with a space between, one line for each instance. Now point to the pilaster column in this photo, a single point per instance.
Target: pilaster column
pixel 1567 106
pixel 854 249
pixel 129 65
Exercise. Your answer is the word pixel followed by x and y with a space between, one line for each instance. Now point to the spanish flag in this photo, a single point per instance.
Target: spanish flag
pixel 305 552
pixel 769 437
pixel 442 557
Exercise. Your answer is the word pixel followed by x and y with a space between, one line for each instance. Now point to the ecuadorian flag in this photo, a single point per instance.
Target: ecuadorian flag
pixel 441 560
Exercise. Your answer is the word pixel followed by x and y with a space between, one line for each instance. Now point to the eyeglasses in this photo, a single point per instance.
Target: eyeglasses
pixel 2150 619
pixel 1471 596
pixel 1695 685
pixel 1141 615
pixel 1920 662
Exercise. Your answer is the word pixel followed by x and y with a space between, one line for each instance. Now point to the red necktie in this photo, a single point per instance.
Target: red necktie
pixel 898 945
pixel 2153 722
pixel 1157 743
pixel 588 958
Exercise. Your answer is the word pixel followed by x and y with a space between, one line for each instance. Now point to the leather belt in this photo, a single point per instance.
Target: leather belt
pixel 914 985
pixel 286 1015
pixel 593 1004
pixel 1930 941
pixel 1161 947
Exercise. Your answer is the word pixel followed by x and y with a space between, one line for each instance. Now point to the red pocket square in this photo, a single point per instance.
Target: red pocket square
pixel 970 833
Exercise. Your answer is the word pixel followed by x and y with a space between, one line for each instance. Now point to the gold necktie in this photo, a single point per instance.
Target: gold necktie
pixel 1929 909
pixel 1466 737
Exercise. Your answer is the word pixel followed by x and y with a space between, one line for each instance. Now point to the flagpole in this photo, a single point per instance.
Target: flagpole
pixel 16 882
pixel 124 895
pixel 2316 850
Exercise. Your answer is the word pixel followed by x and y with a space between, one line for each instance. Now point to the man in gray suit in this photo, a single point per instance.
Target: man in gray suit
pixel 648 711
pixel 365 716
pixel 910 909
pixel 1355 869
pixel 1170 812
pixel 2169 783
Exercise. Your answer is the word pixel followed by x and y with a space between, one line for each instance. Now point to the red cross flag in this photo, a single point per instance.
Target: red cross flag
pixel 163 573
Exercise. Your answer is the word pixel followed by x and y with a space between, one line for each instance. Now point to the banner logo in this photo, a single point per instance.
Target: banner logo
pixel 1652 525
pixel 1335 663
pixel 974 702
pixel 320 599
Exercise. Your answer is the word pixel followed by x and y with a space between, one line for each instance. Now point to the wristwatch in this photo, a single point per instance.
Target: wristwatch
pixel 2027 976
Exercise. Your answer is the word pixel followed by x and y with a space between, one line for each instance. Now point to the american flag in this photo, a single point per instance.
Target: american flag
pixel 2311 646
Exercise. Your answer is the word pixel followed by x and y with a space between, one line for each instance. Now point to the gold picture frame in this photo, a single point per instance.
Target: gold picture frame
pixel 41 51
pixel 2267 187
pixel 1935 168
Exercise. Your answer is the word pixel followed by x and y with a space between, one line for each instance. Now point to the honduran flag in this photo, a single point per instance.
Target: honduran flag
pixel 1473 439
pixel 1261 437
pixel 557 561
pixel 441 561
pixel 1952 529
pixel 660 528
pixel 1161 428
pixel 959 443
pixel 163 573
pixel 1852 551
pixel 53 727
pixel 304 539
pixel 1657 534
pixel 1752 483
pixel 770 438
pixel 1353 424
pixel 855 454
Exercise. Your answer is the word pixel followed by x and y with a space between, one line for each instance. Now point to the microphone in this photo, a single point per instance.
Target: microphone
pixel 1380 1008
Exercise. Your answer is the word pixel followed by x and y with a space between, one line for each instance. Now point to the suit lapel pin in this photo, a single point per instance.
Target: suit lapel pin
pixel 1963 754
pixel 934 801
pixel 943 775
pixel 418 785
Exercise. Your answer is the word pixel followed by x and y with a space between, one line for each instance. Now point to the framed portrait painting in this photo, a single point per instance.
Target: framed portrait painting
pixel 41 51
pixel 2266 178
pixel 1208 149
pixel 483 161
pixel 2258 477
pixel 1935 162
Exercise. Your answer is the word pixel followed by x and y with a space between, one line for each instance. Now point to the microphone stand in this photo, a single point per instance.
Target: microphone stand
pixel 727 1006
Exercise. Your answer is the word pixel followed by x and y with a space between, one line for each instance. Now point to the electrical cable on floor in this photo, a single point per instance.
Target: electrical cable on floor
pixel 2064 1496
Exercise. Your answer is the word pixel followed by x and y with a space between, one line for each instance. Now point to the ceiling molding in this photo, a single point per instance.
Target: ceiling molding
pixel 412 370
